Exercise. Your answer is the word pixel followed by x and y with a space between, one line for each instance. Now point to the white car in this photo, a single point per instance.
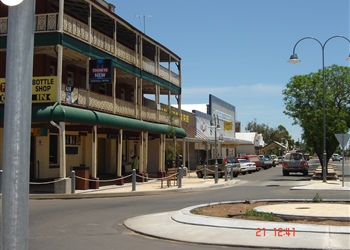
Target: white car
pixel 275 160
pixel 247 166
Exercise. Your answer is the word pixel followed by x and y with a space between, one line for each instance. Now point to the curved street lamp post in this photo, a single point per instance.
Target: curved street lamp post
pixel 214 123
pixel 294 59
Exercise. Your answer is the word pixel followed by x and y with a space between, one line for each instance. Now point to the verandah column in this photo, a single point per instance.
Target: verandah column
pixel 120 159
pixel 94 152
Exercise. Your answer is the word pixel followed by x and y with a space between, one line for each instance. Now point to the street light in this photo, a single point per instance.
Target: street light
pixel 11 2
pixel 214 123
pixel 294 59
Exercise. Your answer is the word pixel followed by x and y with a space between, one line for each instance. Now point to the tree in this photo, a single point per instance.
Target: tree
pixel 269 134
pixel 303 98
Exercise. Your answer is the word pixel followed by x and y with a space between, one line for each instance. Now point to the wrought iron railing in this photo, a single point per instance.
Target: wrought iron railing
pixel 96 101
pixel 49 22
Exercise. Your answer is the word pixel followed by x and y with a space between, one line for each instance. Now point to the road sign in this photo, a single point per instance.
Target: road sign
pixel 342 139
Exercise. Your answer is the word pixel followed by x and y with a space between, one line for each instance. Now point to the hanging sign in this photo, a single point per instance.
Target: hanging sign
pixel 100 71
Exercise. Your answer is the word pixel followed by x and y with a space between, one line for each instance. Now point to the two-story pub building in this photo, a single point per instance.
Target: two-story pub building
pixel 96 90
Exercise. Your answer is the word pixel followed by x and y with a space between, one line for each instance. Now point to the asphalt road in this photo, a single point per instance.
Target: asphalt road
pixel 98 223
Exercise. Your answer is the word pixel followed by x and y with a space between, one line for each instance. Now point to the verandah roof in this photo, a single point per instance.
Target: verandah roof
pixel 61 113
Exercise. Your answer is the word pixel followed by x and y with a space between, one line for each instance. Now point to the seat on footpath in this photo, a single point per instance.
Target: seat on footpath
pixel 171 174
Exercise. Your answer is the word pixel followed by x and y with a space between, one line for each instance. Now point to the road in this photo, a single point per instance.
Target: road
pixel 98 223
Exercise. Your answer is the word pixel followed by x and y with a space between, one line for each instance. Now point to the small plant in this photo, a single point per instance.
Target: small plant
pixel 266 216
pixel 317 198
pixel 196 211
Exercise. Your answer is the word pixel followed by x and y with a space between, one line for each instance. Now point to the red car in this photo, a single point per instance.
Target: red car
pixel 253 158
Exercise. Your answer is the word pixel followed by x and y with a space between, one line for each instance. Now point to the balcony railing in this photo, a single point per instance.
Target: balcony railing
pixel 79 30
pixel 108 104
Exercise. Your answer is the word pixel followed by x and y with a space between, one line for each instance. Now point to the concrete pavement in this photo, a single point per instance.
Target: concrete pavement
pixel 184 226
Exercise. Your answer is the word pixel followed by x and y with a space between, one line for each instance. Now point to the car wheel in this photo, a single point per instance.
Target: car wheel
pixel 220 175
pixel 200 174
pixel 235 174
pixel 285 173
pixel 243 173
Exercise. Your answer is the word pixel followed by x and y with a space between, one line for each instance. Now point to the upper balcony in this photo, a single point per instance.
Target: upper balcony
pixel 108 32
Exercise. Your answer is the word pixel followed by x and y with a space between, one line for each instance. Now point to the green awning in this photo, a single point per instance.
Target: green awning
pixel 60 113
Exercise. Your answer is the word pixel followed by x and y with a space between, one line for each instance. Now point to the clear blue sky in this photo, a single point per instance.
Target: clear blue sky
pixel 237 50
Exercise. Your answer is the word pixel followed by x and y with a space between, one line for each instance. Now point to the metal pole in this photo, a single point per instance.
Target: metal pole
pixel 17 126
pixel 342 166
pixel 72 177
pixel 324 171
pixel 216 154
pixel 179 176
pixel 133 180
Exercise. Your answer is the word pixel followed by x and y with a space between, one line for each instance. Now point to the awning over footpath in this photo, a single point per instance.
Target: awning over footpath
pixel 61 113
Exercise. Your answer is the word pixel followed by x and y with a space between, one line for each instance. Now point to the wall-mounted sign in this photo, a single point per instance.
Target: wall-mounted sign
pixel 100 71
pixel 228 125
pixel 44 89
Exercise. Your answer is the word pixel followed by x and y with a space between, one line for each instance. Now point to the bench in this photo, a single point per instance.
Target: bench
pixel 171 174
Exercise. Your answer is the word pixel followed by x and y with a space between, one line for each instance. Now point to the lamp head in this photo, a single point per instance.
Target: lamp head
pixel 348 59
pixel 11 2
pixel 294 59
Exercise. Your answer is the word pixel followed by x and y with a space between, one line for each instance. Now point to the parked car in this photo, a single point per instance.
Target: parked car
pixel 280 159
pixel 275 160
pixel 253 158
pixel 265 163
pixel 247 166
pixel 336 157
pixel 209 167
pixel 295 162
pixel 268 161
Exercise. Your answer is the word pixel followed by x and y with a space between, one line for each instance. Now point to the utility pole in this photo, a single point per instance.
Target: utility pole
pixel 144 21
pixel 17 125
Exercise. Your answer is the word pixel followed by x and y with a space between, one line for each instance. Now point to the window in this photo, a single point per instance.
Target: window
pixel 53 150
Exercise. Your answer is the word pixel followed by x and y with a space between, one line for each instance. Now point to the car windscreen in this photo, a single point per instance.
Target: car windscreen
pixel 231 160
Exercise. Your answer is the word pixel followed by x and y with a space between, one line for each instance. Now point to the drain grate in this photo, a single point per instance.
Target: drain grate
pixel 302 208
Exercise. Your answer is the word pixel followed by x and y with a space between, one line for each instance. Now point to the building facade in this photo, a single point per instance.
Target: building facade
pixel 96 90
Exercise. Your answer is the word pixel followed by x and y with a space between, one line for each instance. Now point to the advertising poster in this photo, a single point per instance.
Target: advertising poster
pixel 100 71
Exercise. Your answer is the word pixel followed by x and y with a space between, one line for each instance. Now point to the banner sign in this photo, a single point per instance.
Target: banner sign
pixel 100 71
pixel 44 89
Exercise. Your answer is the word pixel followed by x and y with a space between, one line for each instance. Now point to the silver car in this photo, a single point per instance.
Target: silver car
pixel 295 162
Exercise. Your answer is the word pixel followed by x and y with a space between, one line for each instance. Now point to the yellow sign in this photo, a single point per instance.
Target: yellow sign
pixel 44 89
pixel 228 125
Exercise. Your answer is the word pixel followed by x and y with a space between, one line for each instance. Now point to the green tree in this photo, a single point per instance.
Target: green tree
pixel 269 134
pixel 303 98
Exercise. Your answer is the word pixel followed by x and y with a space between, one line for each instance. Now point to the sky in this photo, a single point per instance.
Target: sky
pixel 237 50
